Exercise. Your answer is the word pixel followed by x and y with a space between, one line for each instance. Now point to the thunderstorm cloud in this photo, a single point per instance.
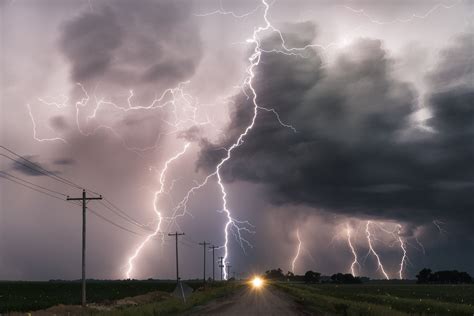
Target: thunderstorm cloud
pixel 350 154
pixel 370 121
pixel 121 43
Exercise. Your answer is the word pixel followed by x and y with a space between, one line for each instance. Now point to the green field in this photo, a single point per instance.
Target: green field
pixel 30 296
pixel 384 299
pixel 175 306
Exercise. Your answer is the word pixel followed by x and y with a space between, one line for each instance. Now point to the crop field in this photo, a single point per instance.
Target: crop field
pixel 384 299
pixel 30 296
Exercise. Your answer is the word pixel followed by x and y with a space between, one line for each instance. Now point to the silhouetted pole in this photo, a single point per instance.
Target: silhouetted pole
pixel 228 270
pixel 84 200
pixel 204 244
pixel 221 265
pixel 176 234
pixel 213 262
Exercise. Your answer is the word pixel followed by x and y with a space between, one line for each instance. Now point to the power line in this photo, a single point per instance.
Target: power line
pixel 32 188
pixel 38 171
pixel 33 167
pixel 44 171
pixel 60 199
pixel 31 183
pixel 125 217
pixel 126 214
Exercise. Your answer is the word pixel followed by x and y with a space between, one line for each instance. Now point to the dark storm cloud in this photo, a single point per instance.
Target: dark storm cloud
pixel 59 123
pixel 30 169
pixel 133 42
pixel 456 67
pixel 64 161
pixel 192 134
pixel 349 155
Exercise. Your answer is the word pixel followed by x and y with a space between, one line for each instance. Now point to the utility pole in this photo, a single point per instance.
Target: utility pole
pixel 221 265
pixel 176 234
pixel 228 270
pixel 84 200
pixel 213 262
pixel 204 244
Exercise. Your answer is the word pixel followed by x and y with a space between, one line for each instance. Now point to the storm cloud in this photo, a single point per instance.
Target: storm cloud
pixel 350 154
pixel 133 43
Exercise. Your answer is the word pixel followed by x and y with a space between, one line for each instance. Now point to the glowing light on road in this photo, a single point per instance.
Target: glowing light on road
pixel 257 282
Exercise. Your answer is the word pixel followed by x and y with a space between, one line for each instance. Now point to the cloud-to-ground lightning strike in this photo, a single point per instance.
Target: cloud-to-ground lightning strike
pixel 298 249
pixel 254 60
pixel 372 250
pixel 170 97
pixel 351 246
pixel 404 250
pixel 232 223
pixel 158 193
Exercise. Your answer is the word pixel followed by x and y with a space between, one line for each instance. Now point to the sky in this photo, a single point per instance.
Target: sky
pixel 340 128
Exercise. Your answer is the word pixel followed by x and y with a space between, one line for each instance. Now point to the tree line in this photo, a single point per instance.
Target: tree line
pixel 312 277
pixel 425 276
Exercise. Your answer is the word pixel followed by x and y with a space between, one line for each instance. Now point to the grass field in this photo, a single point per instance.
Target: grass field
pixel 30 296
pixel 384 299
pixel 175 306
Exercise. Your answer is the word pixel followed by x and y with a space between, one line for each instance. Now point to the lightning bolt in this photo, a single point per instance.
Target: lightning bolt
pixel 158 193
pixel 400 20
pixel 183 108
pixel 438 224
pixel 354 253
pixel 372 250
pixel 188 107
pixel 222 11
pixel 35 133
pixel 404 250
pixel 293 262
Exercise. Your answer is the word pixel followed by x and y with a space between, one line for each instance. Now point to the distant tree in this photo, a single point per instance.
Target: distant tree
pixel 464 277
pixel 290 276
pixel 345 278
pixel 312 277
pixel 443 277
pixel 275 274
pixel 424 276
pixel 364 279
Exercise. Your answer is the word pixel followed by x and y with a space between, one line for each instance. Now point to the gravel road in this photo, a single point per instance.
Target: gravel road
pixel 264 301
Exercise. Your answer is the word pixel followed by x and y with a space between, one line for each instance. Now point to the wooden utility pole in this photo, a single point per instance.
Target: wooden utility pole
pixel 228 270
pixel 221 265
pixel 84 200
pixel 204 244
pixel 213 262
pixel 176 234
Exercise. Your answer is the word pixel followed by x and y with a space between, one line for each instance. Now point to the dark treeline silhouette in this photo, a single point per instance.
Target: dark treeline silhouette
pixel 345 278
pixel 443 277
pixel 311 277
pixel 275 274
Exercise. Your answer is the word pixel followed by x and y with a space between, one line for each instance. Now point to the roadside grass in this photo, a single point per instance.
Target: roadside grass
pixel 383 299
pixel 19 296
pixel 173 306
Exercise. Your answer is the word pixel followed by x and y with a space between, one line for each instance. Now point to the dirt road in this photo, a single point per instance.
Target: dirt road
pixel 249 302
